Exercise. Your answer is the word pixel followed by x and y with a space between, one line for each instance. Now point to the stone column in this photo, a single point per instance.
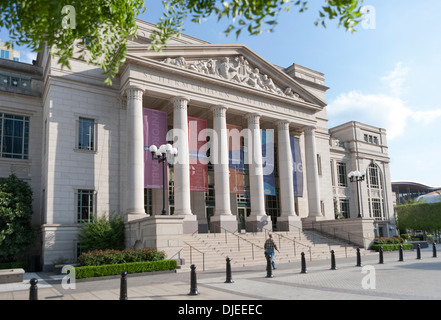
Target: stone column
pixel 258 220
pixel 312 177
pixel 135 155
pixel 182 165
pixel 288 220
pixel 222 219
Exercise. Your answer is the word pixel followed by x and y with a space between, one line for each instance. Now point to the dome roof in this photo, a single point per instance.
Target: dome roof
pixel 432 197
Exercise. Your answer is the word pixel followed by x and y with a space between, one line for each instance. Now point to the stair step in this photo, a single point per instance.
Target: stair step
pixel 209 251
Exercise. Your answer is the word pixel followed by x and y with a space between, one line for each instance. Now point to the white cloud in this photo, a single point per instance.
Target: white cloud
pixel 385 110
pixel 396 78
pixel 390 113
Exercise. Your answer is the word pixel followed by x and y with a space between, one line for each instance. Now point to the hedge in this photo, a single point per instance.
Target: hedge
pixel 111 256
pixel 115 269
pixel 392 247
pixel 13 265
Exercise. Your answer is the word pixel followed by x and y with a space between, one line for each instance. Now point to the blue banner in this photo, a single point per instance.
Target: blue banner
pixel 268 162
pixel 297 167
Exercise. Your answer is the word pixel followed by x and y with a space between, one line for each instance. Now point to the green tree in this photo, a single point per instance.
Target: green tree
pixel 104 26
pixel 16 233
pixel 100 234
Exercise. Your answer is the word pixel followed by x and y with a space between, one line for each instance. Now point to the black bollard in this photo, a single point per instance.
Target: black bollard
pixel 401 258
pixel 434 249
pixel 123 286
pixel 269 269
pixel 333 267
pixel 303 263
pixel 418 252
pixel 381 256
pixel 229 278
pixel 358 258
pixel 193 282
pixel 33 290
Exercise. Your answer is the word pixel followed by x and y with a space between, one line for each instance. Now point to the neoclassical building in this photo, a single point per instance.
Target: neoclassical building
pixel 254 151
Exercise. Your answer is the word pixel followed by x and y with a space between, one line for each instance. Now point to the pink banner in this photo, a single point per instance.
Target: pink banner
pixel 155 132
pixel 236 163
pixel 197 145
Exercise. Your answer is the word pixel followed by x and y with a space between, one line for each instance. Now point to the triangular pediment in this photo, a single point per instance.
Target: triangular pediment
pixel 232 63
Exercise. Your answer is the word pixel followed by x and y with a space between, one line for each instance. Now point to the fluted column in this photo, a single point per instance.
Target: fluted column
pixel 312 176
pixel 222 219
pixel 258 220
pixel 288 220
pixel 135 154
pixel 182 164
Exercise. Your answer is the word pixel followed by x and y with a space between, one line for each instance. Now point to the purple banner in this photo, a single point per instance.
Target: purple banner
pixel 155 131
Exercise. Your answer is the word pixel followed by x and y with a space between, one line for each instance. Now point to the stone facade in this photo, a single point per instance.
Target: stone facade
pixel 86 153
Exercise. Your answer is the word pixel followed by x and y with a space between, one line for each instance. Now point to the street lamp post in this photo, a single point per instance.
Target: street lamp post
pixel 357 176
pixel 160 155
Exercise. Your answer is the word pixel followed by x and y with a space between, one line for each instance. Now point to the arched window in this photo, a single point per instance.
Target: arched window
pixel 374 177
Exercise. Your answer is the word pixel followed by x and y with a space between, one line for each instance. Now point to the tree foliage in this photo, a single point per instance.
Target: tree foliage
pixel 16 233
pixel 104 26
pixel 249 15
pixel 101 234
pixel 419 216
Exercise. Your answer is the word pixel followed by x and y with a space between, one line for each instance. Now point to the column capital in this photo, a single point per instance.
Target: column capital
pixel 134 93
pixel 253 118
pixel 310 130
pixel 180 99
pixel 219 110
pixel 283 124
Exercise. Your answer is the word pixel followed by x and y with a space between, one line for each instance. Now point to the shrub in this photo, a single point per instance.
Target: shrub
pixel 100 234
pixel 111 256
pixel 386 240
pixel 16 233
pixel 115 269
pixel 392 247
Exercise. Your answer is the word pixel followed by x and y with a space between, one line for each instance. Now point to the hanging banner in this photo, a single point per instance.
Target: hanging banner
pixel 236 163
pixel 197 145
pixel 155 131
pixel 268 162
pixel 297 167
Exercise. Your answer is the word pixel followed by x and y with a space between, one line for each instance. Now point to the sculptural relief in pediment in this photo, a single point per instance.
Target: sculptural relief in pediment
pixel 236 70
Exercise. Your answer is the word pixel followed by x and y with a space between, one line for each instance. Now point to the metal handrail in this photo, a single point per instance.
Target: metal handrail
pixel 191 255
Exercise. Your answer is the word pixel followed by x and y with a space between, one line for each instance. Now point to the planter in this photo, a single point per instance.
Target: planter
pixel 11 275
pixel 423 244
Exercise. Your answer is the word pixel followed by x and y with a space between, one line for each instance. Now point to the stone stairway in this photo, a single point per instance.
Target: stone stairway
pixel 208 251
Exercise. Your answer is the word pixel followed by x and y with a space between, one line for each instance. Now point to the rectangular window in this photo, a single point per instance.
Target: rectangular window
pixel 319 164
pixel 16 59
pixel 376 209
pixel 148 201
pixel 373 177
pixel 344 208
pixel 342 174
pixel 332 174
pixel 14 136
pixel 4 54
pixel 86 134
pixel 85 205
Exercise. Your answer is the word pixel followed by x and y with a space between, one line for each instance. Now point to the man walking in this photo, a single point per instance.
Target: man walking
pixel 269 249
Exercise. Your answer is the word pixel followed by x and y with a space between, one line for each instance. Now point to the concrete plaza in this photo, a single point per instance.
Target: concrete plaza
pixel 411 279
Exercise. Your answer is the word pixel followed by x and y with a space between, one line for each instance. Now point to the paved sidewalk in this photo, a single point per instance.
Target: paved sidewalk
pixel 412 279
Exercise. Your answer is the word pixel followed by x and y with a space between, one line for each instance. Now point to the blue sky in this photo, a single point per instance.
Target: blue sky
pixel 387 77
